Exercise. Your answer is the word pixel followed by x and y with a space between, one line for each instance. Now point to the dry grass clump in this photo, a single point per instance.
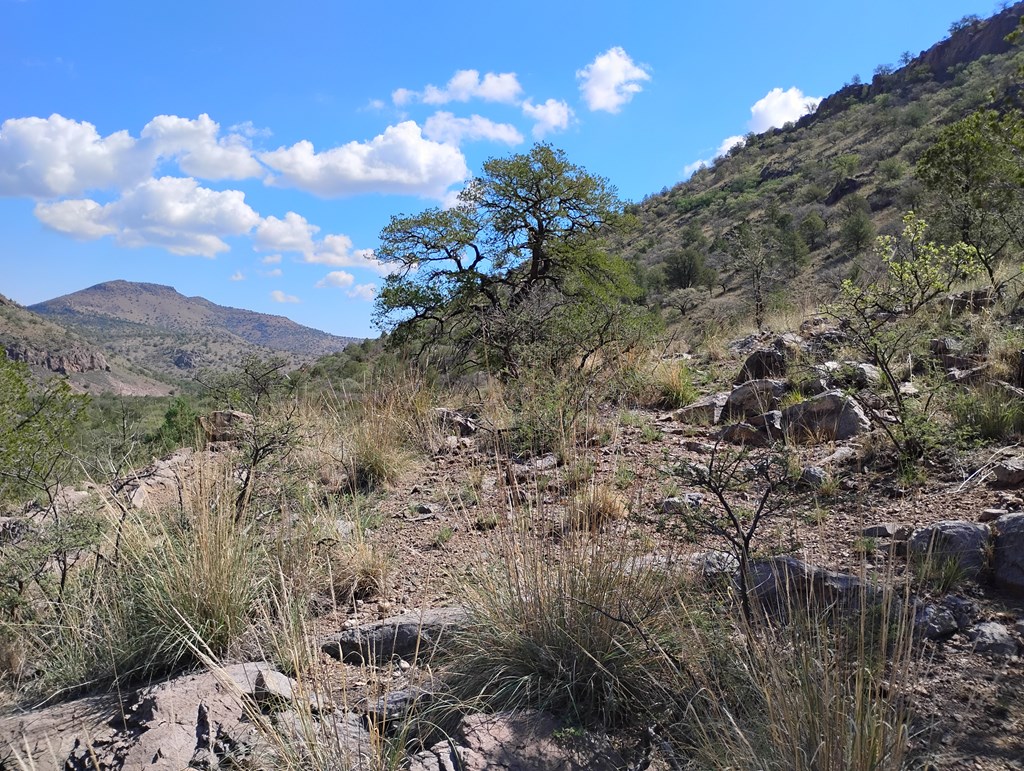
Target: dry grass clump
pixel 596 506
pixel 558 626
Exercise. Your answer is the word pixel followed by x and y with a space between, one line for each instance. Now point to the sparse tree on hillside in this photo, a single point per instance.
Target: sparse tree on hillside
pixel 857 230
pixel 755 259
pixel 813 229
pixel 516 271
pixel 976 172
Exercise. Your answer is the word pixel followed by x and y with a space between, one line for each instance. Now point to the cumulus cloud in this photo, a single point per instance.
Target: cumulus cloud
pixel 363 292
pixel 199 149
pixel 238 276
pixel 337 278
pixel 171 212
pixel 56 156
pixel 778 107
pixel 401 160
pixel 336 250
pixel 271 259
pixel 611 80
pixel 280 297
pixel 552 115
pixel 465 85
pixel 273 273
pixel 445 127
pixel 291 234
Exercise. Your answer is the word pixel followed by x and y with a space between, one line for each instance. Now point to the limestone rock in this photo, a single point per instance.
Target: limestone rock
pixel 779 583
pixel 755 397
pixel 992 637
pixel 965 542
pixel 1008 554
pixel 831 416
pixel 762 363
pixel 407 636
pixel 705 411
pixel 1010 472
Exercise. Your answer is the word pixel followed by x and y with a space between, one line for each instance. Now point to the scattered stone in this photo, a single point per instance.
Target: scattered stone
pixel 965 542
pixel 850 374
pixel 713 564
pixel 754 397
pixel 972 300
pixel 762 363
pixel 389 709
pixel 525 740
pixel 884 530
pixel 680 504
pixel 992 637
pixel 705 411
pixel 1008 554
pixel 341 736
pixel 743 433
pixel 461 422
pixel 1010 472
pixel 839 457
pixel 934 623
pixel 830 416
pixel 408 636
pixel 275 689
pixel 770 424
pixel 813 477
pixel 988 515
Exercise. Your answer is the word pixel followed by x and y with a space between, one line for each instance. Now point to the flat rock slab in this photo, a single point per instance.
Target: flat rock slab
pixel 781 583
pixel 408 636
pixel 831 416
pixel 992 637
pixel 517 741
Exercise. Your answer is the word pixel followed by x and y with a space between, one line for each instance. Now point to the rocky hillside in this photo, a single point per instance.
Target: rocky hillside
pixel 171 335
pixel 852 159
pixel 50 349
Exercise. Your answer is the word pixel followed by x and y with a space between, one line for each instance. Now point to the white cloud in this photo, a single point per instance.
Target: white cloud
pixel 727 144
pixel 292 234
pixel 337 278
pixel 271 259
pixel 56 156
pixel 779 107
pixel 247 129
pixel 280 297
pixel 198 150
pixel 465 85
pixel 398 161
pixel 611 80
pixel 171 212
pixel 552 115
pixel 363 292
pixel 336 250
pixel 273 273
pixel 445 127
pixel 238 276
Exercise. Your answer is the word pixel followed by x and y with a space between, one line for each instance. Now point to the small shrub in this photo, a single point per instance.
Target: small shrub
pixel 988 413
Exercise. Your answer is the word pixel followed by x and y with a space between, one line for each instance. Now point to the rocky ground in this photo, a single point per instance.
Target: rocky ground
pixel 853 520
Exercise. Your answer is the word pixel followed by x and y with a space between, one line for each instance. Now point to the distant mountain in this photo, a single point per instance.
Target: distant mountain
pixel 171 335
pixel 50 349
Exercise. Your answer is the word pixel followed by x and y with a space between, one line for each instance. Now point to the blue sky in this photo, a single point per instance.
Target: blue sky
pixel 251 152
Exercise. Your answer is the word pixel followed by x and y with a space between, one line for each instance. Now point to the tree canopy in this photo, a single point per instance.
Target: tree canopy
pixel 516 271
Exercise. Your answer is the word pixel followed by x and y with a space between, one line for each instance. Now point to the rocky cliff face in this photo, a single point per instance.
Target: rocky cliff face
pixel 64 362
pixel 938 62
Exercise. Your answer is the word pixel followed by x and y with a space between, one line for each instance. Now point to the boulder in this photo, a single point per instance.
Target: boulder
pixel 831 416
pixel 1009 472
pixel 705 411
pixel 965 542
pixel 934 622
pixel 762 363
pixel 1008 554
pixel 744 434
pixel 408 636
pixel 755 397
pixel 992 637
pixel 460 422
pixel 192 721
pixel 781 583
pixel 681 504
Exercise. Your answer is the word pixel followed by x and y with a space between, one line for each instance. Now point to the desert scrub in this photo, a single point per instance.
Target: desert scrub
pixel 990 413
pixel 566 626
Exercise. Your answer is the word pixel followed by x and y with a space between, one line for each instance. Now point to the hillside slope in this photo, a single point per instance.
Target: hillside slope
pixel 856 153
pixel 51 349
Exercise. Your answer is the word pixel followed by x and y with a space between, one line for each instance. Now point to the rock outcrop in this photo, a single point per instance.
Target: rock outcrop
pixel 62 362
